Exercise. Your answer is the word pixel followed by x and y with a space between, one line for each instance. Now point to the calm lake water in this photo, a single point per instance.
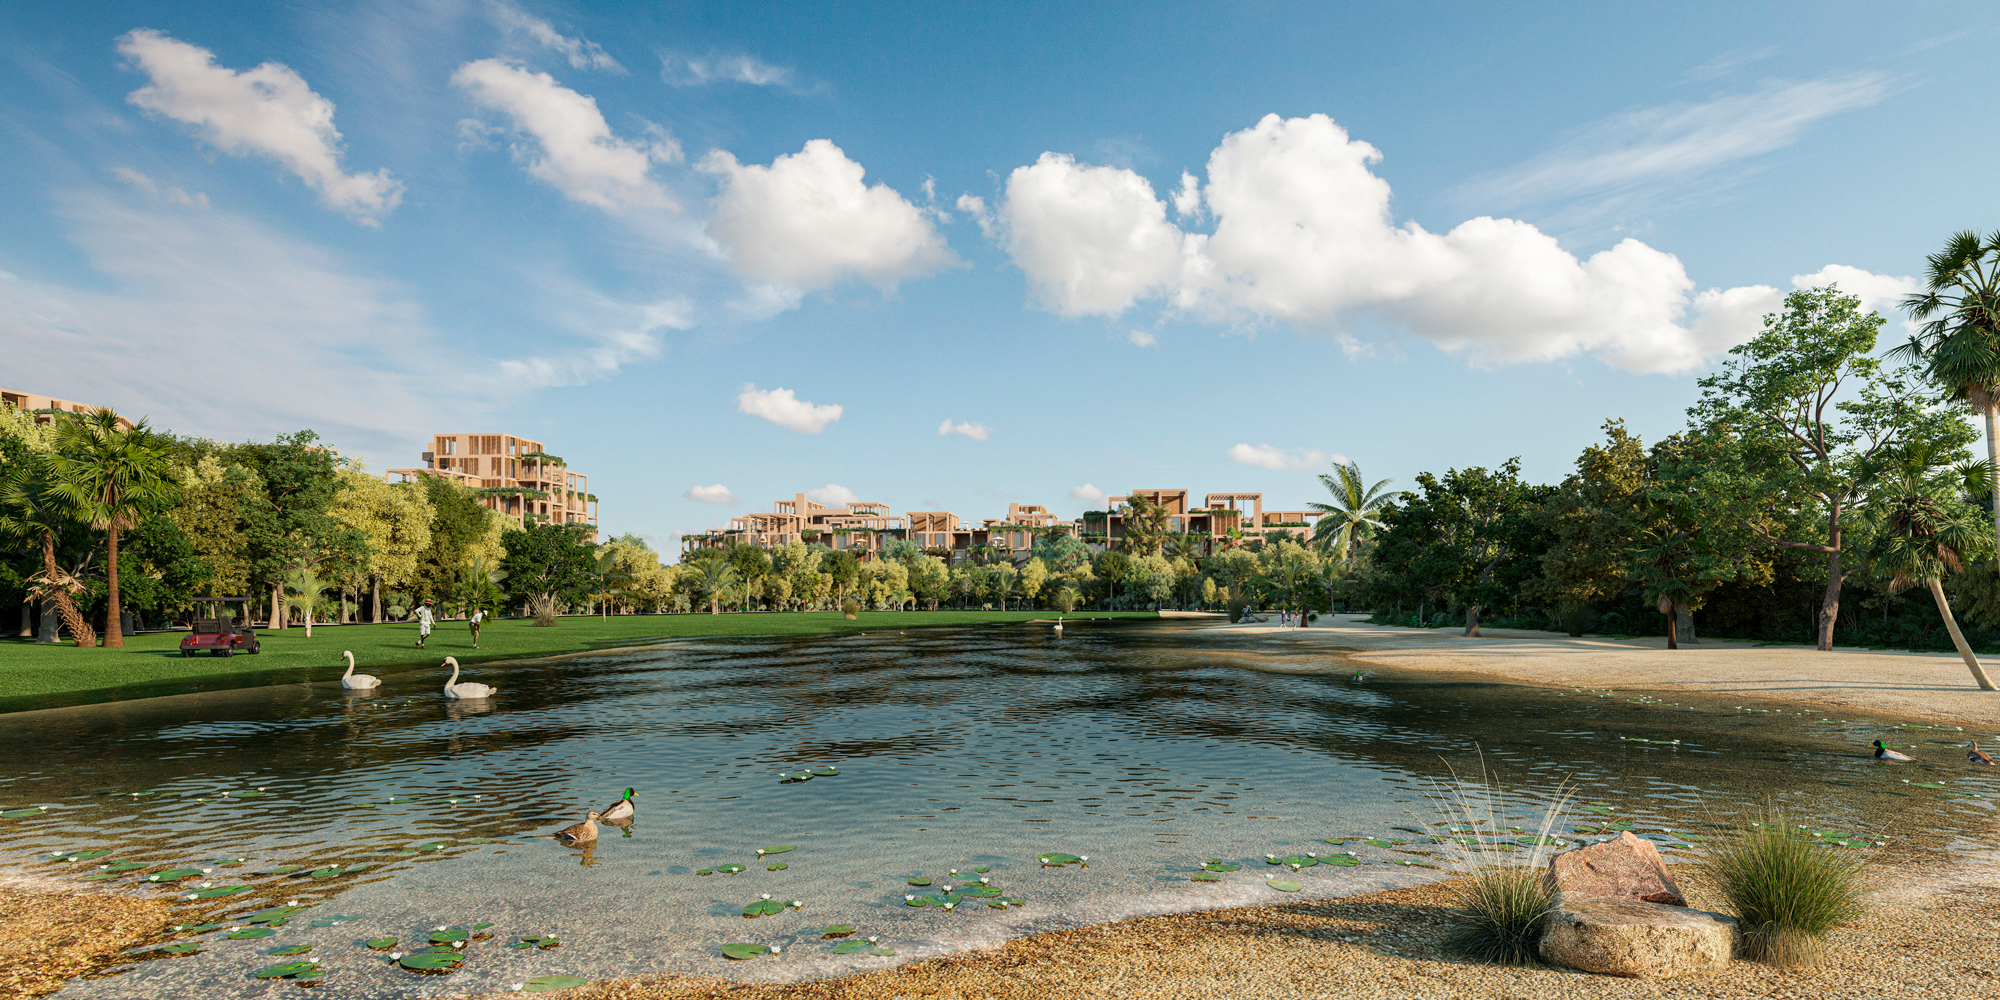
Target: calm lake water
pixel 1144 748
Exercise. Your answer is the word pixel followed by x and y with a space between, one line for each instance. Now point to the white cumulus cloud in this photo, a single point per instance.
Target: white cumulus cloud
pixel 782 407
pixel 833 495
pixel 1303 235
pixel 1264 456
pixel 809 221
pixel 977 432
pixel 716 494
pixel 1140 338
pixel 268 110
pixel 1088 494
pixel 1881 293
pixel 582 53
pixel 574 149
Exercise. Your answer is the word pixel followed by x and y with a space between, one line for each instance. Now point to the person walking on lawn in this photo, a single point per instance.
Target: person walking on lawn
pixel 473 623
pixel 424 621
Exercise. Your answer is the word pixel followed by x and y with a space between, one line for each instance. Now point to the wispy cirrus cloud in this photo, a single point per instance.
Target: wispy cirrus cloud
pixel 1671 144
pixel 977 432
pixel 1264 456
pixel 580 52
pixel 694 71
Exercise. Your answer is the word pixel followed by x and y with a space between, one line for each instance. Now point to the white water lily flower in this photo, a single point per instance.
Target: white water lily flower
pixel 954 871
pixel 1083 857
pixel 440 927
pixel 394 955
pixel 984 880
pixel 908 898
pixel 518 987
pixel 458 944
pixel 798 904
pixel 775 949
pixel 871 940
pixel 760 850
pixel 948 906
pixel 767 895
pixel 205 871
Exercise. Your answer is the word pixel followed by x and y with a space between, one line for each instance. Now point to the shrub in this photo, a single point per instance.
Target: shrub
pixel 1501 910
pixel 850 608
pixel 544 609
pixel 1788 890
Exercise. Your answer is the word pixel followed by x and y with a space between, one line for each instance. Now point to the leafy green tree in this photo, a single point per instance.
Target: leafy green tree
pixel 902 550
pixel 1234 567
pixel 930 580
pixel 842 565
pixel 1061 553
pixel 1959 344
pixel 549 565
pixel 1468 537
pixel 1812 416
pixel 1926 535
pixel 461 529
pixel 292 524
pixel 1034 576
pixel 1112 567
pixel 110 475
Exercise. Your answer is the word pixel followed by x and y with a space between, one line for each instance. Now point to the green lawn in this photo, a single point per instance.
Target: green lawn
pixel 42 676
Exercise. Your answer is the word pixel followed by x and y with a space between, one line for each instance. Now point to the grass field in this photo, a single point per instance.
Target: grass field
pixel 43 676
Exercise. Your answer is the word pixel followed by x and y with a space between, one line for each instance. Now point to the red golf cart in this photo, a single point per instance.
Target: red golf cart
pixel 222 636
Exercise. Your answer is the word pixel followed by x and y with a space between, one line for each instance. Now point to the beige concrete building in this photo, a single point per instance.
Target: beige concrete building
pixel 866 528
pixel 1219 514
pixel 46 407
pixel 513 475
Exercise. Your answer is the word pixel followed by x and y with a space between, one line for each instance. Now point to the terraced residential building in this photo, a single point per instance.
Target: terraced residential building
pixel 513 475
pixel 865 528
pixel 45 408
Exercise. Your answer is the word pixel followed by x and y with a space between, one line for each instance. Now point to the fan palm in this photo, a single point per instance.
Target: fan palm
pixel 1959 345
pixel 32 511
pixel 1921 541
pixel 110 474
pixel 714 578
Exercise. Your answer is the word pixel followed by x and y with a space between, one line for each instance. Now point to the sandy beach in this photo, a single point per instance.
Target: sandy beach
pixel 1930 687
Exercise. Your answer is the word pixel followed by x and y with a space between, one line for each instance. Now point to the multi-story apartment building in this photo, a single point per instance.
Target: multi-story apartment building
pixel 864 528
pixel 513 475
pixel 1220 514
pixel 45 408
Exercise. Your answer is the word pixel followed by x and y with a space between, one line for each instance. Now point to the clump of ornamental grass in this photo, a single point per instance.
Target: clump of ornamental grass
pixel 1502 909
pixel 1788 890
pixel 543 608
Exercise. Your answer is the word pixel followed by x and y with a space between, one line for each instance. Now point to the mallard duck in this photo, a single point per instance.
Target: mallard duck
pixel 453 689
pixel 353 681
pixel 1978 756
pixel 581 833
pixel 623 809
pixel 1882 752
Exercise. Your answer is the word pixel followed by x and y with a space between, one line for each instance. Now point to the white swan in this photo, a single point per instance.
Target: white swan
pixel 453 689
pixel 353 681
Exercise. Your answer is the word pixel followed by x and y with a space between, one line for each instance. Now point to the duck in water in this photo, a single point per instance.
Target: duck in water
pixel 582 833
pixel 1882 752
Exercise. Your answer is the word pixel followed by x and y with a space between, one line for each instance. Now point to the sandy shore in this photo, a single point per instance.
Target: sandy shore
pixel 1923 686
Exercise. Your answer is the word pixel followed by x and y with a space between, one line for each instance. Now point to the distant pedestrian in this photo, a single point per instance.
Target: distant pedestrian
pixel 424 621
pixel 473 623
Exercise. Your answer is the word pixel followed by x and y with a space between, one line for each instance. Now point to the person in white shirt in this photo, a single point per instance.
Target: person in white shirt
pixel 473 623
pixel 424 621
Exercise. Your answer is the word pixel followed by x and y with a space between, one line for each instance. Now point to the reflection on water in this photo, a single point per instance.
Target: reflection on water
pixel 1144 749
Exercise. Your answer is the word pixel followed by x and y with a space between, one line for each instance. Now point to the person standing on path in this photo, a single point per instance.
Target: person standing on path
pixel 424 621
pixel 473 623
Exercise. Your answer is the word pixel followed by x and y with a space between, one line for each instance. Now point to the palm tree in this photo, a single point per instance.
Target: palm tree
pixel 304 588
pixel 1354 514
pixel 713 577
pixel 1145 524
pixel 112 475
pixel 1921 541
pixel 32 511
pixel 1960 345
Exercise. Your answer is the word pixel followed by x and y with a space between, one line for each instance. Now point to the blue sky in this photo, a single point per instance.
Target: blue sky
pixel 1026 250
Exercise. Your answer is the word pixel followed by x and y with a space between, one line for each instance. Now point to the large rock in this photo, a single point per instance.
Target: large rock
pixel 1624 937
pixel 1626 868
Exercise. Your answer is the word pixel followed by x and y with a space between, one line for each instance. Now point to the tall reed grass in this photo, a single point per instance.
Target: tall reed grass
pixel 1502 908
pixel 1788 890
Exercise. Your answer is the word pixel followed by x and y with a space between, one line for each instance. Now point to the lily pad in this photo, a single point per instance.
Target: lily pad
pixel 776 866
pixel 433 846
pixel 123 866
pixel 251 933
pixel 729 869
pixel 1285 885
pixel 1057 860
pixel 850 947
pixel 1298 862
pixel 1341 860
pixel 81 855
pixel 920 880
pixel 982 870
pixel 741 951
pixel 449 935
pixel 20 813
pixel 778 850
pixel 883 951
pixel 281 870
pixel 764 908
pixel 1926 784
pixel 1204 877
pixel 432 961
pixel 824 772
pixel 706 871
pixel 477 927
pixel 219 891
pixel 1598 809
pixel 542 941
pixel 1222 866
pixel 102 876
pixel 296 949
pixel 285 970
pixel 550 984
pixel 837 931
pixel 978 891
pixel 274 915
pixel 174 875
pixel 380 943
pixel 243 795
pixel 1383 843
pixel 182 948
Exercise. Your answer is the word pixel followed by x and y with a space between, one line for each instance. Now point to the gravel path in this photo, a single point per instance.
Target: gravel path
pixel 1935 932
